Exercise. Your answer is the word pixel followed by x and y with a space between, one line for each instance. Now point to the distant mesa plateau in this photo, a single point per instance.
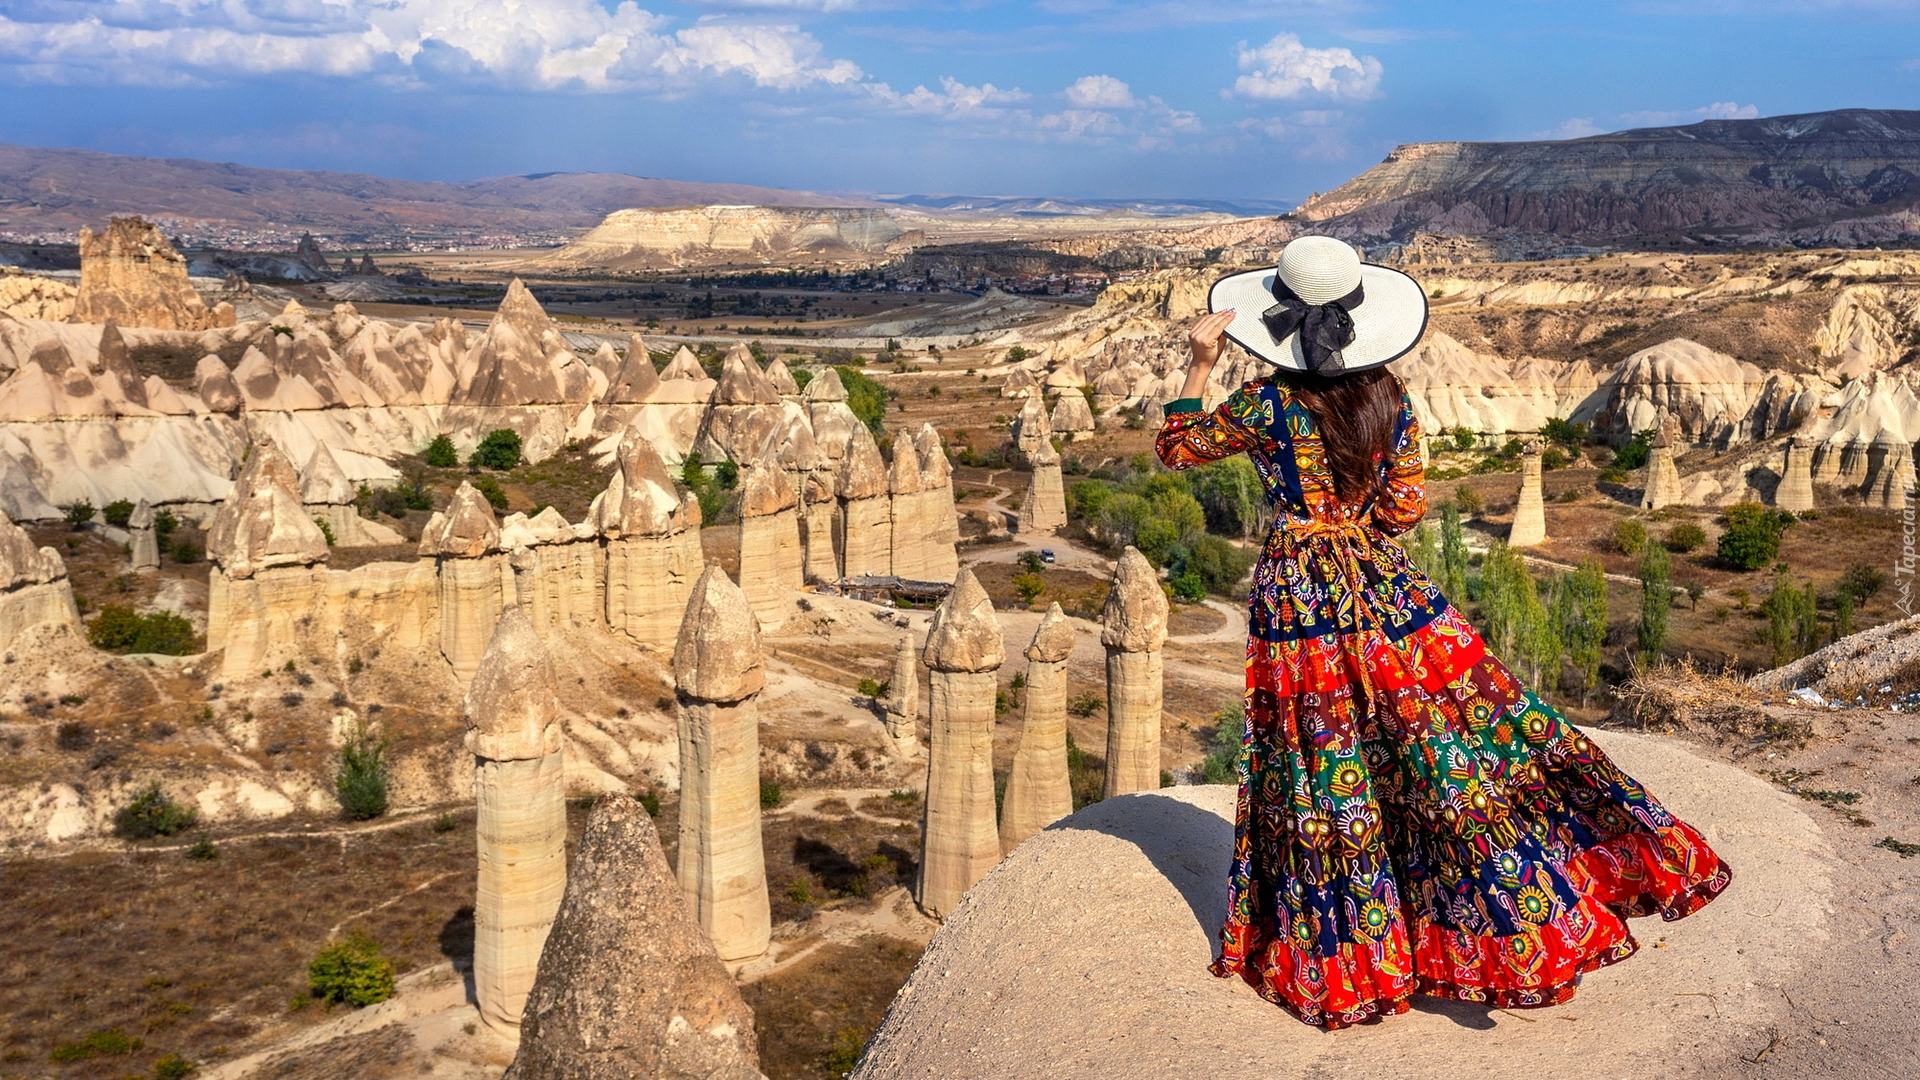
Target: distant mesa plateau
pixel 1849 178
pixel 650 239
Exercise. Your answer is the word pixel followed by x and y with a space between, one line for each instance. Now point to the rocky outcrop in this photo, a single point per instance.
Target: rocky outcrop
pixel 781 379
pixel 732 236
pixel 683 366
pixel 522 360
pixel 267 574
pixel 1039 792
pixel 936 493
pixel 1890 474
pixel 1032 428
pixel 903 701
pixel 1814 179
pixel 1020 384
pixel 519 783
pixel 833 420
pixel 718 673
pixel 464 542
pixel 866 513
pixel 131 275
pixel 556 570
pixel 34 590
pixel 329 496
pixel 634 381
pixel 744 414
pixel 1043 509
pixel 959 840
pixel 143 546
pixel 27 296
pixel 771 560
pixel 909 528
pixel 628 985
pixel 1071 416
pixel 1530 512
pixel 653 555
pixel 1795 492
pixel 1133 627
pixel 812 476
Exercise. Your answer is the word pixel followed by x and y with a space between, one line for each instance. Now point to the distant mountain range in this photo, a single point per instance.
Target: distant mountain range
pixel 1847 178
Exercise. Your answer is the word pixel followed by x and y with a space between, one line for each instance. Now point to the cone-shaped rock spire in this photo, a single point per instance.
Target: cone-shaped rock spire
pixel 960 842
pixel 1039 792
pixel 1133 627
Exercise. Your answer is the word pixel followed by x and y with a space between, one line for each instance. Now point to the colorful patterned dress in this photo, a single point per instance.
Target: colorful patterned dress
pixel 1412 819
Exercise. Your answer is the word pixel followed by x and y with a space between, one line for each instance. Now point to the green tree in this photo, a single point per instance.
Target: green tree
pixel 1752 538
pixel 489 489
pixel 1230 492
pixel 867 398
pixel 1453 555
pixel 1656 601
pixel 440 453
pixel 1514 619
pixel 1220 564
pixel 118 513
pixel 351 972
pixel 78 514
pixel 1423 548
pixel 1635 452
pixel 499 450
pixel 1579 616
pixel 1564 432
pixel 1792 619
pixel 361 782
pixel 1842 614
pixel 122 630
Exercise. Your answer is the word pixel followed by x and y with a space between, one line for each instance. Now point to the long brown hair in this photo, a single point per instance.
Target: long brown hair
pixel 1355 415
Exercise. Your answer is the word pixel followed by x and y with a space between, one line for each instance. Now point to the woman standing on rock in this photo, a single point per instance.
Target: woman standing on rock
pixel 1412 819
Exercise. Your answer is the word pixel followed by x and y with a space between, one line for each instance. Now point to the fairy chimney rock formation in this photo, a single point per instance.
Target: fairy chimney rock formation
pixel 781 379
pixel 264 548
pixel 1043 509
pixel 903 701
pixel 1133 627
pixel 556 572
pixel 34 589
pixel 866 516
pixel 744 412
pixel 143 545
pixel 1795 492
pixel 1020 384
pixel 943 523
pixel 214 385
pixel 1890 474
pixel 634 380
pixel 514 734
pixel 813 481
pixel 960 842
pixel 833 420
pixel 1530 512
pixel 131 275
pixel 522 359
pixel 771 561
pixel 628 985
pixel 718 673
pixel 653 552
pixel 1663 477
pixel 1038 790
pixel 684 365
pixel 464 541
pixel 1031 428
pixel 1071 416
pixel 909 528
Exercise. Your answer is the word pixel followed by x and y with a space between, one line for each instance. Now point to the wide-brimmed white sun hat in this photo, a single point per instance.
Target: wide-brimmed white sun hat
pixel 1322 310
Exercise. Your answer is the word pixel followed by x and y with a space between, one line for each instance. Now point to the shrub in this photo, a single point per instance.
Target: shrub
pixel 445 823
pixel 1031 562
pixel 499 450
pixel 1752 539
pixel 1464 438
pixel 1554 458
pixel 1636 451
pixel 407 495
pixel 1188 588
pixel 1685 537
pixel 163 524
pixel 1222 763
pixel 122 630
pixel 1467 499
pixel 185 552
pixel 351 972
pixel 326 529
pixel 172 1067
pixel 1861 581
pixel 118 513
pixel 1562 432
pixel 871 688
pixel 78 514
pixel 72 735
pixel 1220 564
pixel 1085 704
pixel 440 453
pixel 490 489
pixel 203 850
pixel 361 783
pixel 867 398
pixel 844 1054
pixel 770 794
pixel 152 813
pixel 1029 586
pixel 108 1043
pixel 1628 537
pixel 801 377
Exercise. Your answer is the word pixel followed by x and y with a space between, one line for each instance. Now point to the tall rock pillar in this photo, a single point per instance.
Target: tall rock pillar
pixel 464 542
pixel 513 731
pixel 652 537
pixel 903 701
pixel 1133 627
pixel 936 482
pixel 959 841
pixel 143 544
pixel 866 513
pixel 909 528
pixel 1663 477
pixel 1043 509
pixel 718 672
pixel 1795 492
pixel 770 556
pixel 1890 480
pixel 1530 512
pixel 268 558
pixel 1038 790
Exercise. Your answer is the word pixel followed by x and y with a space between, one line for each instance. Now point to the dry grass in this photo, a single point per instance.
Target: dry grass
pixel 814 1017
pixel 1681 696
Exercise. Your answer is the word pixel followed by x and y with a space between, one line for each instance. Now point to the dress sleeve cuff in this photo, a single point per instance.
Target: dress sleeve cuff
pixel 1182 405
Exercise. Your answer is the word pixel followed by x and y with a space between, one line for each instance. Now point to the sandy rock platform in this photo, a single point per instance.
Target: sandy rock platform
pixel 1084 954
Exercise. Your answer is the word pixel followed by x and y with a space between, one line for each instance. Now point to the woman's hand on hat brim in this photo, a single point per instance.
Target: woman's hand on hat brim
pixel 1207 340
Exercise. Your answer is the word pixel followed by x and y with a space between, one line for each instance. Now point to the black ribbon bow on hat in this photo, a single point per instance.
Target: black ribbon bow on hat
pixel 1325 329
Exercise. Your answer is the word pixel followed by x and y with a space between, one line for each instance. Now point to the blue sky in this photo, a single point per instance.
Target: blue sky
pixel 1081 98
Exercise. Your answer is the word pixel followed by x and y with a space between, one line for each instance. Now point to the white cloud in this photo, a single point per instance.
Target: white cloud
pixel 546 44
pixel 1719 110
pixel 954 100
pixel 1284 68
pixel 1100 92
pixel 1578 127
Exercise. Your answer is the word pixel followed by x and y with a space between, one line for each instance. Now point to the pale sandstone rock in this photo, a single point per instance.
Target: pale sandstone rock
pixel 1133 627
pixel 1663 477
pixel 634 381
pixel 771 560
pixel 522 359
pixel 908 525
pixel 943 522
pixel 903 701
pixel 653 554
pixel 628 985
pixel 257 619
pixel 866 521
pixel 1032 429
pixel 744 412
pixel 143 545
pixel 834 423
pixel 718 673
pixel 130 274
pixel 556 576
pixel 1020 384
pixel 1795 492
pixel 1068 376
pixel 33 585
pixel 465 542
pixel 323 482
pixel 661 237
pixel 1038 790
pixel 684 365
pixel 1707 393
pixel 514 734
pixel 1043 509
pixel 1110 390
pixel 1071 416
pixel 467 529
pixel 26 296
pixel 214 385
pixel 262 524
pixel 781 379
pixel 1530 512
pixel 960 843
pixel 1890 477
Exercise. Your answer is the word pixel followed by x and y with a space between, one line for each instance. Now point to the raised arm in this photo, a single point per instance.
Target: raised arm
pixel 1191 436
pixel 1403 498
